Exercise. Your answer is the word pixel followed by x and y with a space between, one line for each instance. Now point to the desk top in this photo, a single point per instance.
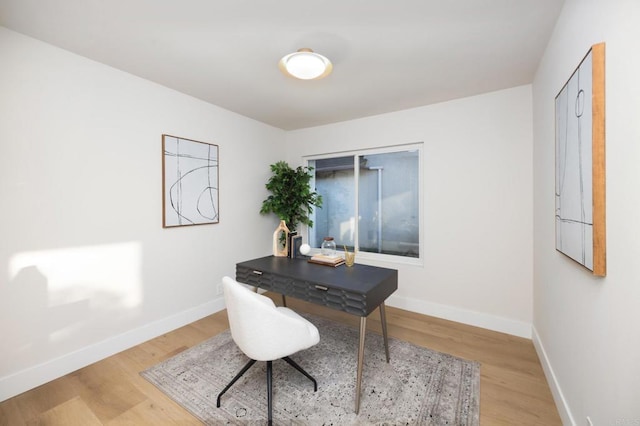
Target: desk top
pixel 369 285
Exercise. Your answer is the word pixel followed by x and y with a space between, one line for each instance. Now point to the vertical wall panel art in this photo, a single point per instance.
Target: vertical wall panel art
pixel 580 164
pixel 189 182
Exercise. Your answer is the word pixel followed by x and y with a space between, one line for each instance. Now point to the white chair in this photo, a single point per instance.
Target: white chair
pixel 265 332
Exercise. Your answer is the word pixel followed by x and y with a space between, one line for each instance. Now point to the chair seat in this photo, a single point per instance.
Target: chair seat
pixel 314 335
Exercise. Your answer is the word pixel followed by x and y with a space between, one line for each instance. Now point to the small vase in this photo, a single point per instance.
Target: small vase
pixel 278 249
pixel 328 247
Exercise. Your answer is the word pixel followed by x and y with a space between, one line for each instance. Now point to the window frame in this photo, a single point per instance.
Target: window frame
pixel 356 153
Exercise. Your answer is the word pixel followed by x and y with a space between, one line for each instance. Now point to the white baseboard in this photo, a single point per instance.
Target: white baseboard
pixel 556 391
pixel 32 377
pixel 477 319
pixel 24 380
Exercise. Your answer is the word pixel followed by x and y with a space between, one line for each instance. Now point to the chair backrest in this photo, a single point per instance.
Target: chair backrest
pixel 261 330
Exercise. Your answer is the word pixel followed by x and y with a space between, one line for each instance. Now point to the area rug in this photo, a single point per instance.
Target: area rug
pixel 418 387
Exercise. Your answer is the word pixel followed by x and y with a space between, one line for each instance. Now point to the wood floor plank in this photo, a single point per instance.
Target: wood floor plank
pixel 43 398
pixel 154 413
pixel 10 413
pixel 513 389
pixel 70 413
pixel 106 389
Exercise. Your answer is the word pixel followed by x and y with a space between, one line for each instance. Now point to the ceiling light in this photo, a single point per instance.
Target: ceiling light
pixel 305 64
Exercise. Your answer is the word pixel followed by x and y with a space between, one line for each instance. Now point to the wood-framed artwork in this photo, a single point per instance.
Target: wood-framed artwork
pixel 189 182
pixel 580 164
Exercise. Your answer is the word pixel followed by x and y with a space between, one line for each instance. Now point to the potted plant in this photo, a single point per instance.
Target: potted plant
pixel 291 199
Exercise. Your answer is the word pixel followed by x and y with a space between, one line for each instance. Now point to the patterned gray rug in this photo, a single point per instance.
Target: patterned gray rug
pixel 418 387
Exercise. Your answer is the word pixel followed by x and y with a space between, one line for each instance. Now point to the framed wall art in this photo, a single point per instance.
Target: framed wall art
pixel 189 182
pixel 580 164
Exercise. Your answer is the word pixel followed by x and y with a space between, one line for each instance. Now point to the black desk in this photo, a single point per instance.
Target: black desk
pixel 357 290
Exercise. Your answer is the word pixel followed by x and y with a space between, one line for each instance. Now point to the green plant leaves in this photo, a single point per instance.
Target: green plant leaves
pixel 291 198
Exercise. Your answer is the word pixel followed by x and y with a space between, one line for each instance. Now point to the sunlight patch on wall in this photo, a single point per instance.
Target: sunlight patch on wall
pixel 107 276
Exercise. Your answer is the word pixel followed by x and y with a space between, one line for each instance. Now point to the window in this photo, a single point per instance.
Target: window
pixel 381 188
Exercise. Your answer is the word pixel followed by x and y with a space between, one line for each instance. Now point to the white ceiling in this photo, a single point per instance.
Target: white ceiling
pixel 387 55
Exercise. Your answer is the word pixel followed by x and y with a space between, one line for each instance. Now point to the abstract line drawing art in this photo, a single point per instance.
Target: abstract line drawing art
pixel 189 182
pixel 580 177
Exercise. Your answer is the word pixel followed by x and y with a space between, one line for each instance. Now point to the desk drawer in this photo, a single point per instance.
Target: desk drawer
pixel 254 277
pixel 331 297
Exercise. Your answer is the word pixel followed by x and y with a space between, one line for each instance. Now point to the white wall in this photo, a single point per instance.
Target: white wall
pixel 86 269
pixel 478 203
pixel 587 329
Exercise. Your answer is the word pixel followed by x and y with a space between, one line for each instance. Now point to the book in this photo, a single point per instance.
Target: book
pixel 296 243
pixel 290 237
pixel 321 259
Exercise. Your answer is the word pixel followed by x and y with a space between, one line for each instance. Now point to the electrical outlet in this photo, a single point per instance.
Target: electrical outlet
pixel 589 423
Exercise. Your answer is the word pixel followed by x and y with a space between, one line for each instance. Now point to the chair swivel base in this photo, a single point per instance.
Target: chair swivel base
pixel 269 381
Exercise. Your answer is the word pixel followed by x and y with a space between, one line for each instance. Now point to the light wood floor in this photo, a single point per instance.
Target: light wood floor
pixel 513 389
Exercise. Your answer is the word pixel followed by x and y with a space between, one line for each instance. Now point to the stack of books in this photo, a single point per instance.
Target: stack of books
pixel 321 259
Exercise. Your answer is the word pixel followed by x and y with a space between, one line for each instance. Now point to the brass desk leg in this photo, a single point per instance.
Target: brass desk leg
pixel 363 333
pixel 383 321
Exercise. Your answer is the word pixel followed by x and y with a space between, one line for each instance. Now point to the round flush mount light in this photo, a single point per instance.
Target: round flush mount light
pixel 305 64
